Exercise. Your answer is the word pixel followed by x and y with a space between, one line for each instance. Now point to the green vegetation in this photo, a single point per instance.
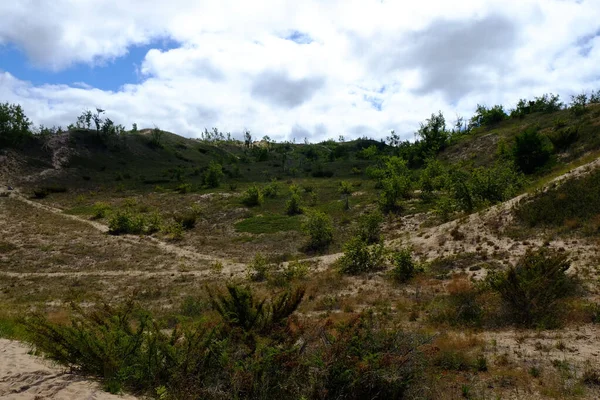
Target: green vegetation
pixel 533 291
pixel 319 228
pixel 360 257
pixel 574 204
pixel 269 224
pixel 14 126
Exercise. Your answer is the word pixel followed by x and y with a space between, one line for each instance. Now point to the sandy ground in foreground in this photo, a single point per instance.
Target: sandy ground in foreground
pixel 24 376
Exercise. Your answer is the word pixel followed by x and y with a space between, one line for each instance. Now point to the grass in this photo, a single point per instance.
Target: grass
pixel 269 224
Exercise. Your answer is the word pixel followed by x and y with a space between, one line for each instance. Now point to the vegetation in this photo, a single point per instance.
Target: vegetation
pixel 533 291
pixel 289 323
pixel 319 229
pixel 14 125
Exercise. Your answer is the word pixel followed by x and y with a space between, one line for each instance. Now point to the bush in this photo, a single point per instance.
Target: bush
pixel 533 291
pixel 395 188
pixel 119 344
pixel 257 352
pixel 213 175
pixel 260 268
pixel 319 228
pixel 252 197
pixel 272 189
pixel 293 205
pixel 124 222
pixel 574 200
pixel 184 188
pixel 359 257
pixel 531 150
pixel 186 219
pixel 100 209
pixel 488 117
pixel 369 227
pixel 14 126
pixel 405 268
pixel 239 308
pixel 563 138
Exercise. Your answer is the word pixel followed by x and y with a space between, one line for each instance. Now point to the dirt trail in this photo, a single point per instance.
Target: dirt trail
pixel 26 377
pixel 229 266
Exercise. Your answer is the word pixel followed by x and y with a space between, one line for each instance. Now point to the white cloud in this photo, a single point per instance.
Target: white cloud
pixel 362 67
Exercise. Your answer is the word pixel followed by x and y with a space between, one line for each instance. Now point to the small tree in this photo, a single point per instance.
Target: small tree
pixel 345 190
pixel 253 196
pixel 156 136
pixel 359 257
pixel 405 268
pixel 369 227
pixel 14 125
pixel 533 290
pixel 293 205
pixel 319 228
pixel 213 175
pixel 531 150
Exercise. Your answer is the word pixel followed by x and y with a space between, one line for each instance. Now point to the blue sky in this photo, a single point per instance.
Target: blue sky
pixel 316 69
pixel 108 75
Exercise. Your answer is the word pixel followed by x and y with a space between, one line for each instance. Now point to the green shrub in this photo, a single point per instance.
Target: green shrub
pixel 260 268
pixel 394 188
pixel 100 209
pixel 256 353
pixel 562 139
pixel 319 228
pixel 293 205
pixel 124 222
pixel 120 344
pixel 213 175
pixel 184 188
pixel 533 291
pixel 488 117
pixel 369 227
pixel 574 201
pixel 272 189
pixel 252 197
pixel 359 257
pixel 173 230
pixel 241 309
pixel 404 267
pixel 14 126
pixel 531 150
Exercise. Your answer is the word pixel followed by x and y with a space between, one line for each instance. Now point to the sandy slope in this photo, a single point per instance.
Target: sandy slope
pixel 23 376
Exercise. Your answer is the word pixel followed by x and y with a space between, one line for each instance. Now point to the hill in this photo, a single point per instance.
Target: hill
pixel 461 265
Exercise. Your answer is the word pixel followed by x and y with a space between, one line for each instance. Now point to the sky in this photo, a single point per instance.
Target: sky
pixel 313 69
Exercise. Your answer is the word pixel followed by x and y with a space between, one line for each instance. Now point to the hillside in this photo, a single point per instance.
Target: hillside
pixel 463 265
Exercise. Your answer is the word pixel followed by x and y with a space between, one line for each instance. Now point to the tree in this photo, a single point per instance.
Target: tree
pixel 14 125
pixel 319 228
pixel 213 175
pixel 531 150
pixel 433 133
pixel 487 117
pixel 156 136
pixel 345 190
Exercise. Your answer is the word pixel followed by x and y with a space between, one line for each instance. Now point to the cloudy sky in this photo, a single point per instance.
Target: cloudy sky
pixel 291 69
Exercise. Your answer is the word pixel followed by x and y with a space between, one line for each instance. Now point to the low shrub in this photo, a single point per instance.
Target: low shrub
pixel 404 266
pixel 533 291
pixel 272 189
pixel 369 227
pixel 125 222
pixel 360 257
pixel 293 205
pixel 213 175
pixel 184 188
pixel 252 197
pixel 187 219
pixel 319 228
pixel 100 209
pixel 260 268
